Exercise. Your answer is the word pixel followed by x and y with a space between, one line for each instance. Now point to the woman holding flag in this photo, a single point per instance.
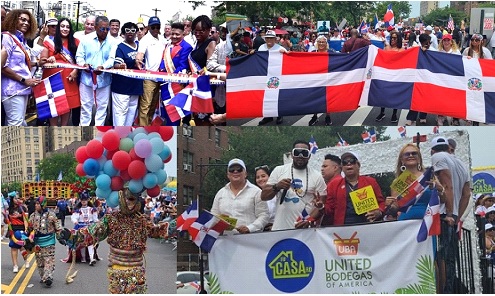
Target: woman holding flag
pixel 17 221
pixel 62 49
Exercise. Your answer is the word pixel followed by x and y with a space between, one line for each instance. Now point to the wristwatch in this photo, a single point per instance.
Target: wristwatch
pixel 275 188
pixel 22 80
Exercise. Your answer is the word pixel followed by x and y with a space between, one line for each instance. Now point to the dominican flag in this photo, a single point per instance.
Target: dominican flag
pixel 436 129
pixel 188 217
pixel 366 137
pixel 413 192
pixel 376 21
pixel 305 216
pixel 342 142
pixel 363 28
pixel 372 135
pixel 450 24
pixel 270 84
pixel 50 97
pixel 402 131
pixel 195 97
pixel 431 219
pixel 206 229
pixel 388 18
pixel 313 147
pixel 168 91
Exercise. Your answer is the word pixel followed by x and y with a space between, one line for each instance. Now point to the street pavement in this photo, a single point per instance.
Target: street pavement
pixel 161 269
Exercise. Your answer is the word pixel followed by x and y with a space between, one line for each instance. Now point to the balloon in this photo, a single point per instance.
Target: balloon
pixel 111 141
pixel 79 170
pixel 136 169
pixel 94 149
pixel 109 169
pixel 135 186
pixel 150 180
pixel 156 145
pixel 161 176
pixel 103 193
pixel 125 175
pixel 153 192
pixel 139 130
pixel 113 199
pixel 165 153
pixel 81 154
pixel 154 135
pixel 126 144
pixel 153 163
pixel 122 131
pixel 168 159
pixel 151 129
pixel 133 155
pixel 102 160
pixel 121 160
pixel 143 148
pixel 138 137
pixel 166 132
pixel 103 182
pixel 103 128
pixel 91 167
pixel 117 183
pixel 110 154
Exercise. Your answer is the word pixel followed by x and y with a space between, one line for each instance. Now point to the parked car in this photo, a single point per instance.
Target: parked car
pixel 188 282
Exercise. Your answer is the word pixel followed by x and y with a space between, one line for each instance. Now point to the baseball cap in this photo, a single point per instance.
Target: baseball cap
pixel 447 36
pixel 238 162
pixel 52 22
pixel 349 153
pixel 154 21
pixel 489 226
pixel 429 28
pixel 270 34
pixel 439 141
pixel 390 28
pixel 452 143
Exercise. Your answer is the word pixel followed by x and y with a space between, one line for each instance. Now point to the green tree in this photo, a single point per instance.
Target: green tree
pixel 401 9
pixel 440 16
pixel 50 167
pixel 14 186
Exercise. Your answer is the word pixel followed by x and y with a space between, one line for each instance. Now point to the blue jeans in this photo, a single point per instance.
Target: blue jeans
pixel 448 250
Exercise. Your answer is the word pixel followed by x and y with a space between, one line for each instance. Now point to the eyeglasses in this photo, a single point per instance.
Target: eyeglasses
pixel 409 154
pixel 141 28
pixel 300 152
pixel 24 20
pixel 265 167
pixel 236 169
pixel 155 27
pixel 130 30
pixel 349 161
pixel 475 39
pixel 213 32
pixel 105 29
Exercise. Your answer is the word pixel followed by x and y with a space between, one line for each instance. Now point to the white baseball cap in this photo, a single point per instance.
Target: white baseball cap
pixel 238 162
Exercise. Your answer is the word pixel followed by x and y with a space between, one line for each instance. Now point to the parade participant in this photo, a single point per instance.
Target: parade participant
pixel 240 199
pixel 17 221
pixel 95 51
pixel 4 207
pixel 89 27
pixel 168 32
pixel 62 48
pixel 84 215
pixel 217 64
pixel 322 46
pixel 476 49
pixel 270 45
pixel 411 41
pixel 296 187
pixel 490 242
pixel 188 34
pixel 486 201
pixel 355 42
pixel 115 30
pixel 433 37
pixel 454 177
pixel 61 209
pixel 338 205
pixel 29 202
pixel 330 168
pixel 149 57
pixel 126 90
pixel 262 173
pixel 18 26
pixel 259 40
pixel 126 232
pixel 46 227
pixel 142 30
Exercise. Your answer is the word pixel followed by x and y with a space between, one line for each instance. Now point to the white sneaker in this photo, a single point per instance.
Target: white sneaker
pixel 16 269
pixel 26 265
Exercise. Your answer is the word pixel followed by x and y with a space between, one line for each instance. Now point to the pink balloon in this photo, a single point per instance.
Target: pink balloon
pixel 94 149
pixel 121 160
pixel 123 131
pixel 111 141
pixel 143 148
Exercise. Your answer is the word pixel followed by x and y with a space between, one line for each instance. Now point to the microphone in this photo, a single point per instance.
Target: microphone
pixel 284 193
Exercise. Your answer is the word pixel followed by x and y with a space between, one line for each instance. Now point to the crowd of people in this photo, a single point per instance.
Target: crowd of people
pixel 100 98
pixel 295 195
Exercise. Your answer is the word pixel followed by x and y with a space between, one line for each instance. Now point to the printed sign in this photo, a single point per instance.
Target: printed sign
pixel 232 221
pixel 364 200
pixel 400 184
pixel 488 23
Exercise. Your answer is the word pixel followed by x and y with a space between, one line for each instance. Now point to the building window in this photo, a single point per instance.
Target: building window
pixel 187 131
pixel 188 161
pixel 36 139
pixel 36 155
pixel 188 193
pixel 217 137
pixel 35 131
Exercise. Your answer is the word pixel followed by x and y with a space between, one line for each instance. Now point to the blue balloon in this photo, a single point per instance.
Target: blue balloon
pixel 156 145
pixel 139 130
pixel 165 152
pixel 136 186
pixel 113 199
pixel 154 135
pixel 102 160
pixel 109 169
pixel 139 137
pixel 103 181
pixel 102 193
pixel 91 167
pixel 153 163
pixel 150 180
pixel 161 176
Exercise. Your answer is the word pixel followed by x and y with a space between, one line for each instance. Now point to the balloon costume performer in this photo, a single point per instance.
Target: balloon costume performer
pixel 126 231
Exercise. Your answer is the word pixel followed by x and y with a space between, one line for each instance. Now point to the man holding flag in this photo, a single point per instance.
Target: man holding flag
pixel 454 177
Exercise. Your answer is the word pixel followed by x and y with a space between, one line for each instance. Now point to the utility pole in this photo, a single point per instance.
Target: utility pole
pixel 77 16
pixel 156 11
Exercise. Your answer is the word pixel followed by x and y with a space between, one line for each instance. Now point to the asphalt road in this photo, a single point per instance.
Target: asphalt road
pixel 161 269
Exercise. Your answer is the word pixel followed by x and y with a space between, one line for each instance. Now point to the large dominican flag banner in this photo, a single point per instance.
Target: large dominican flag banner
pixel 50 97
pixel 269 84
pixel 328 260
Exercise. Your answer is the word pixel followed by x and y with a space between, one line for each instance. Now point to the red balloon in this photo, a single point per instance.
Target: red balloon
pixel 133 155
pixel 155 191
pixel 111 141
pixel 103 128
pixel 151 129
pixel 121 160
pixel 124 174
pixel 137 169
pixel 81 154
pixel 110 154
pixel 94 149
pixel 117 183
pixel 166 132
pixel 79 170
pixel 168 159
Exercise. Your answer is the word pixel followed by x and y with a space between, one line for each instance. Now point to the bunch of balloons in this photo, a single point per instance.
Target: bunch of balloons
pixel 124 154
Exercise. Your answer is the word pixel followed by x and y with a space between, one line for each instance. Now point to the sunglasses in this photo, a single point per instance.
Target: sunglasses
pixel 105 29
pixel 213 32
pixel 141 28
pixel 300 152
pixel 293 199
pixel 475 39
pixel 155 27
pixel 349 161
pixel 261 167
pixel 409 154
pixel 130 30
pixel 492 229
pixel 236 170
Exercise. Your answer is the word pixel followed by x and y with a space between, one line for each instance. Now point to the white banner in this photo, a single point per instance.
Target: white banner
pixel 373 258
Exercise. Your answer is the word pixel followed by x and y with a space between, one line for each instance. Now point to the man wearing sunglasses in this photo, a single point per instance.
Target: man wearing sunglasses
pixel 142 30
pixel 296 187
pixel 241 199
pixel 97 52
pixel 338 205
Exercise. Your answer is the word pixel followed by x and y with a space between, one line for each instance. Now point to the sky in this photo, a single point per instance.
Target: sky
pixel 482 140
pixel 415 7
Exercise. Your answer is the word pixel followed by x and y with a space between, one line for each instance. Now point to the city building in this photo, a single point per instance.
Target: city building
pixel 465 6
pixel 426 6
